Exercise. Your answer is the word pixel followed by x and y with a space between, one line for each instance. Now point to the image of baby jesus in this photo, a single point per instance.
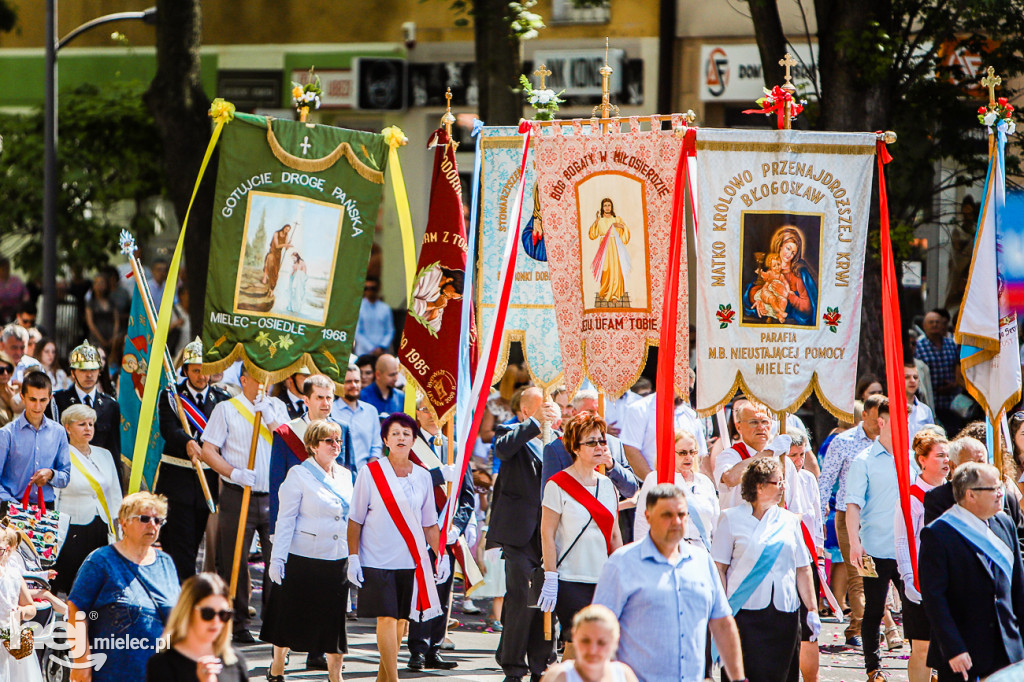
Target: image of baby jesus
pixel 772 298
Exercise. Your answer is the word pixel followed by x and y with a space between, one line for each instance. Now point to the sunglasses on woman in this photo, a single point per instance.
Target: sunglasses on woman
pixel 208 613
pixel 146 518
pixel 6 369
pixel 331 441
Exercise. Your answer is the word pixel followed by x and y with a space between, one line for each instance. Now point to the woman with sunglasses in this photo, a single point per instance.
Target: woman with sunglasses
pixel 196 645
pixel 578 524
pixel 311 548
pixel 8 393
pixel 130 588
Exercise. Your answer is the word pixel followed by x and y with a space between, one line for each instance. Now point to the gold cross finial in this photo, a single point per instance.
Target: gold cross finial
pixel 991 81
pixel 788 61
pixel 543 72
pixel 448 119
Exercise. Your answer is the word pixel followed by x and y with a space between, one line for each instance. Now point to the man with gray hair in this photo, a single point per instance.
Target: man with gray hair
pixel 972 581
pixel 14 339
pixel 361 418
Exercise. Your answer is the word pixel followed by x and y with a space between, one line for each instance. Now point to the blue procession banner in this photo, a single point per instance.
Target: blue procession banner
pixel 531 311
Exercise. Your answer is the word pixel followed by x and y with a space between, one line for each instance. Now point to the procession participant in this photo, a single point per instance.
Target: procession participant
pixel 375 329
pixel 226 443
pixel 392 523
pixel 596 633
pixel 971 579
pixel 666 594
pixel 836 468
pixel 939 351
pixel 426 638
pixel 918 414
pixel 366 363
pixel 578 527
pixel 360 417
pixel 639 432
pixel 291 392
pixel 310 548
pixel 931 453
pixel 33 448
pixel 15 339
pixel 615 411
pixel 187 512
pixel 9 396
pixel 701 496
pixel 872 492
pixel 85 373
pixel 515 528
pixel 557 457
pixel 767 573
pixel 50 363
pixel 381 393
pixel 91 498
pixel 754 426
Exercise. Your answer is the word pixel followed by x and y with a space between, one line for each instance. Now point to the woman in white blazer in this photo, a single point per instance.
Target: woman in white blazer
pixel 311 548
pixel 92 497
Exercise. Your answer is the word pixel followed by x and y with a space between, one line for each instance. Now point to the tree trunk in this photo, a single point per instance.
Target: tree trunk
pixel 179 106
pixel 498 64
pixel 771 41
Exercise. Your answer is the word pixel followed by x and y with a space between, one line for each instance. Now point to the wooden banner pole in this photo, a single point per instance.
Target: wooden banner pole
pixel 246 493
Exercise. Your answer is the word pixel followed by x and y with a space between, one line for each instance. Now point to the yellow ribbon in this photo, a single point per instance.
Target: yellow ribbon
pixel 96 488
pixel 395 138
pixel 222 112
pixel 244 410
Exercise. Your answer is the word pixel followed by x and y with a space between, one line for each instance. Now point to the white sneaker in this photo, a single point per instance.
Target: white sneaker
pixel 469 607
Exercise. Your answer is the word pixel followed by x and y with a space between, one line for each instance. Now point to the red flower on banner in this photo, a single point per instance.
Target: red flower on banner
pixel 832 317
pixel 725 315
pixel 775 102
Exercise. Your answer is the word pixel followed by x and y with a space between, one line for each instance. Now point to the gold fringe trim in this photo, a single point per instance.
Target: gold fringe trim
pixel 520 336
pixel 983 354
pixel 323 163
pixel 262 375
pixel 812 387
pixel 1007 405
pixel 792 147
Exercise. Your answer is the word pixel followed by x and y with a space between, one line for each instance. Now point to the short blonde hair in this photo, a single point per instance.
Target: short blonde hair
pixel 596 613
pixel 319 430
pixel 77 413
pixel 133 504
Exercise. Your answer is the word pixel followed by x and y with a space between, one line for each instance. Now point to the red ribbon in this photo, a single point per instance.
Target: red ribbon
pixel 892 336
pixel 777 102
pixel 41 512
pixel 604 519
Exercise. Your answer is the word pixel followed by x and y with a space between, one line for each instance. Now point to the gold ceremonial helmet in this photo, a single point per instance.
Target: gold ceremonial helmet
pixel 193 353
pixel 85 357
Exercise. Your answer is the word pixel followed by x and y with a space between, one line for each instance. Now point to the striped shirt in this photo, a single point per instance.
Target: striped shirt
pixel 836 466
pixel 232 434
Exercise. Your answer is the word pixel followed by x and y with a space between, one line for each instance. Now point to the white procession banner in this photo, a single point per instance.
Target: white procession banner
pixel 780 265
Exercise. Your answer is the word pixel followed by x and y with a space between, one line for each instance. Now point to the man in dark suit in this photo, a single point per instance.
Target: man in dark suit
pixel 972 580
pixel 85 371
pixel 292 393
pixel 515 527
pixel 187 512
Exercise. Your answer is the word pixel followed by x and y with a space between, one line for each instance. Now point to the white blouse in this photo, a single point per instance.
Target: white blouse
pixel 701 499
pixel 312 521
pixel 583 562
pixel 78 499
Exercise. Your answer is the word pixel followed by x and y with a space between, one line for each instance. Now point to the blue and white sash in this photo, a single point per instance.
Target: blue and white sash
pixel 319 475
pixel 987 542
pixel 757 561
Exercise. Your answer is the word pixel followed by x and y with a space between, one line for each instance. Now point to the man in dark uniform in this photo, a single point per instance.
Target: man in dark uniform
pixel 292 393
pixel 85 371
pixel 187 512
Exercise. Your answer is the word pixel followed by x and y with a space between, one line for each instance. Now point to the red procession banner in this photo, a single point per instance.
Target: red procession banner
pixel 429 351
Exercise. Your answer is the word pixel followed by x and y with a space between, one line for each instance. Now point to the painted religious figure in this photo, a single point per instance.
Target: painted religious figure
pixel 275 252
pixel 783 288
pixel 533 233
pixel 435 286
pixel 297 284
pixel 611 264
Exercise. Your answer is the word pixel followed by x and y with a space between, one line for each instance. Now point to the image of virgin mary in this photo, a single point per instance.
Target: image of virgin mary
pixel 802 301
pixel 533 233
pixel 611 264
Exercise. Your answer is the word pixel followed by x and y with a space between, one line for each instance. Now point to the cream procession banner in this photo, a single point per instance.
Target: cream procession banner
pixel 531 308
pixel 780 258
pixel 606 202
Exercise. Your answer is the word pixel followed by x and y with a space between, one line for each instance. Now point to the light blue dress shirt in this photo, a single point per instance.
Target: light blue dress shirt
pixel 663 610
pixel 24 450
pixel 375 328
pixel 871 485
pixel 363 425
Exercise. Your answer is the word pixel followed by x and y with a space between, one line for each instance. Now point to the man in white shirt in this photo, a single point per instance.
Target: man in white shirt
pixel 639 432
pixel 918 414
pixel 376 327
pixel 361 418
pixel 615 411
pixel 226 443
pixel 755 429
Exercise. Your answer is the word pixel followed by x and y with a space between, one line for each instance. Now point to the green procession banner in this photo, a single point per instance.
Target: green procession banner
pixel 295 209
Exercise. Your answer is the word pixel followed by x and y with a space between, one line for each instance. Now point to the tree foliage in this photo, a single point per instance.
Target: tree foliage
pixel 108 151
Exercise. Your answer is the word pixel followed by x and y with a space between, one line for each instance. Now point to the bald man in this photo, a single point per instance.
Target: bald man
pixel 382 393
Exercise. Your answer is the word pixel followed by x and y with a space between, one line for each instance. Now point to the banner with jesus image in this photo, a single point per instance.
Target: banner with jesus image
pixel 780 263
pixel 606 202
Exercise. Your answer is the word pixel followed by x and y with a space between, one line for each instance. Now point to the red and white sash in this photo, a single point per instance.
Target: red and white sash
pixel 604 519
pixel 741 447
pixel 425 602
pixel 292 439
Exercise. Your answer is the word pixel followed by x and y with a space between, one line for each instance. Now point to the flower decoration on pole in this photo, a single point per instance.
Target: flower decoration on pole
pixel 307 96
pixel 775 102
pixel 221 111
pixel 999 112
pixel 544 100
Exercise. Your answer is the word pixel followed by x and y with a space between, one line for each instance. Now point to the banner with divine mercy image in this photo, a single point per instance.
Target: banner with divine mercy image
pixel 531 307
pixel 780 265
pixel 294 214
pixel 606 203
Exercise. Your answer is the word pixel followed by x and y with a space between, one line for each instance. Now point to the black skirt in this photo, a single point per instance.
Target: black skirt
pixel 81 540
pixel 386 593
pixel 915 622
pixel 770 641
pixel 572 597
pixel 306 612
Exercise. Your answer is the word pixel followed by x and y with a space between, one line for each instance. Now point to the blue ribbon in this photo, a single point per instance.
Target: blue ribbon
pixel 757 574
pixel 319 475
pixel 464 381
pixel 1003 560
pixel 699 523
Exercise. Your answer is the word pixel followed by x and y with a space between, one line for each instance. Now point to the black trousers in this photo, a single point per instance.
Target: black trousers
pixel 426 637
pixel 522 648
pixel 875 592
pixel 257 521
pixel 187 515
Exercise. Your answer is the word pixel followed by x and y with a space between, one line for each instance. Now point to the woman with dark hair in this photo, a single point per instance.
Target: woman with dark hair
pixel 392 524
pixel 46 354
pixel 766 570
pixel 867 386
pixel 272 261
pixel 802 300
pixel 578 528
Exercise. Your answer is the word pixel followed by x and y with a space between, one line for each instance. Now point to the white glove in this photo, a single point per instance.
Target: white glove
pixel 355 570
pixel 453 535
pixel 276 571
pixel 265 406
pixel 814 623
pixel 450 473
pixel 444 569
pixel 243 477
pixel 549 592
pixel 909 590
